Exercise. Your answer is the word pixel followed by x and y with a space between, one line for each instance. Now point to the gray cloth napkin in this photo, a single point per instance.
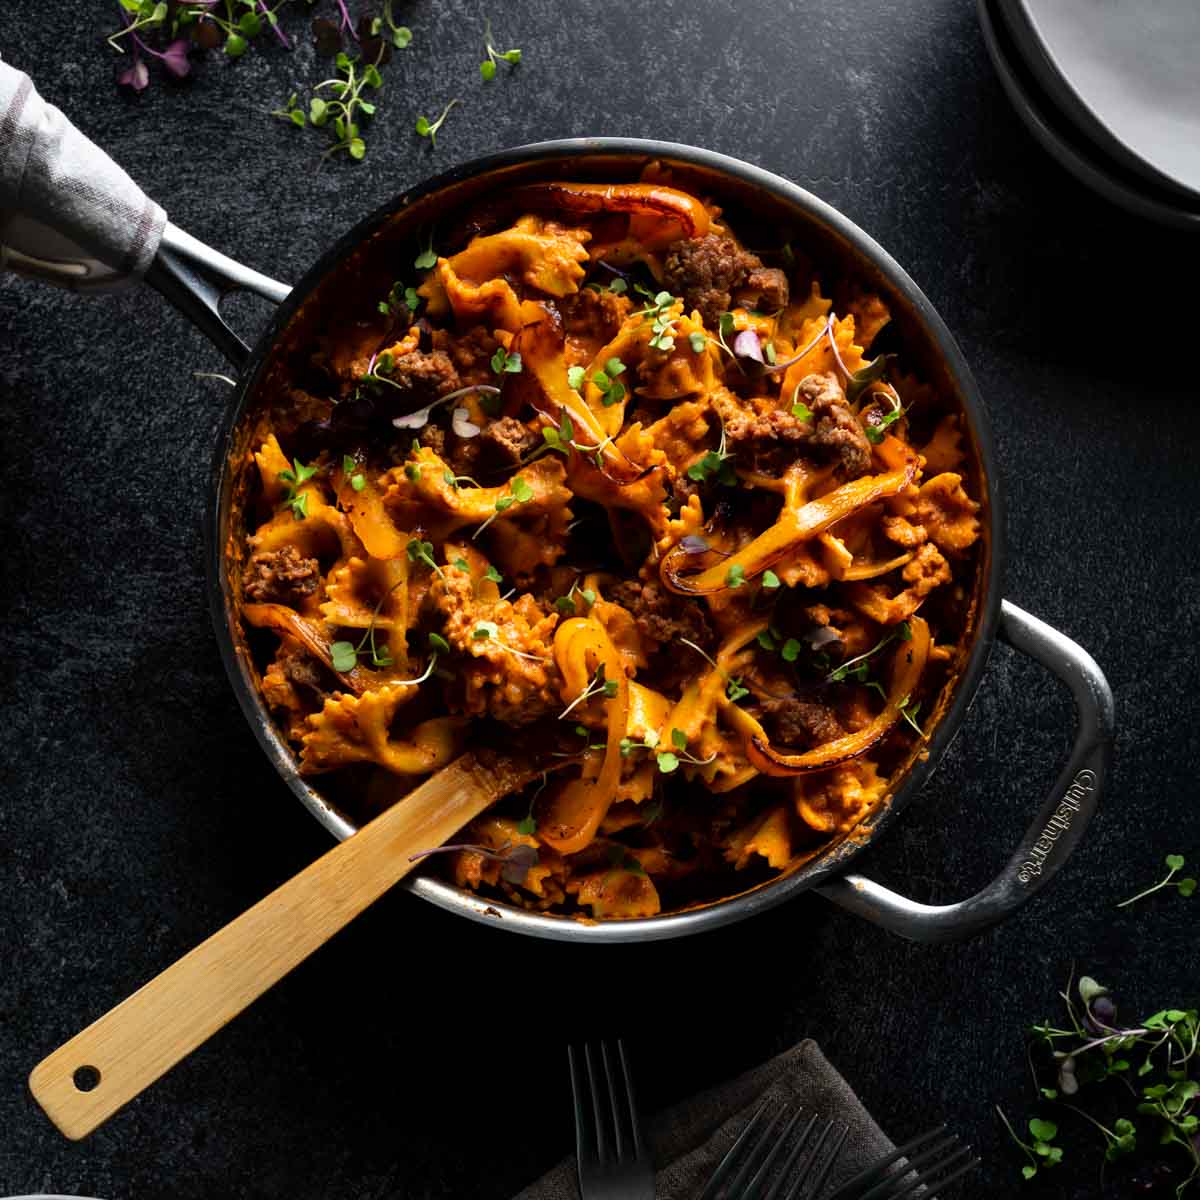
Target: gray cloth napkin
pixel 63 201
pixel 691 1138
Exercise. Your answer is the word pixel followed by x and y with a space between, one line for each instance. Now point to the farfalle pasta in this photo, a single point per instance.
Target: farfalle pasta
pixel 613 487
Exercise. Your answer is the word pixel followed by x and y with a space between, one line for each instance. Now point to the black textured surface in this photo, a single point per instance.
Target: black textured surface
pixel 419 1056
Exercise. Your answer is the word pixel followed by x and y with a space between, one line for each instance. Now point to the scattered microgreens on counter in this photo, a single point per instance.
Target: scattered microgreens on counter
pixel 515 861
pixel 597 685
pixel 504 363
pixel 344 113
pixel 519 493
pixel 612 390
pixel 422 552
pixel 1185 887
pixel 1095 1049
pixel 488 68
pixel 399 35
pixel 429 129
pixel 294 499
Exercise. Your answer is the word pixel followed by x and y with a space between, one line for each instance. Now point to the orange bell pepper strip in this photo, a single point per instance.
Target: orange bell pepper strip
pixel 574 812
pixel 907 667
pixel 637 199
pixel 795 524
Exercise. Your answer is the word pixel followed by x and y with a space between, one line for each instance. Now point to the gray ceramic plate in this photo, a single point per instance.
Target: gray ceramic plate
pixel 1125 73
pixel 1078 156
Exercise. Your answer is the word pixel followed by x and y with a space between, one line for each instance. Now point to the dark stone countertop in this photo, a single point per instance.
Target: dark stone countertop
pixel 421 1056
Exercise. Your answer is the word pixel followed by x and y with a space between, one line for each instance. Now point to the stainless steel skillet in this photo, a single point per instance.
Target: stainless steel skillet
pixel 194 278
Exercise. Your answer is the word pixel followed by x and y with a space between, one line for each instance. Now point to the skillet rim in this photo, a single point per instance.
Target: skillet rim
pixel 772 891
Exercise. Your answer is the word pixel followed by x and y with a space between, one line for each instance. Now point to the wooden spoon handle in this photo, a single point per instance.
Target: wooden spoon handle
pixel 127 1049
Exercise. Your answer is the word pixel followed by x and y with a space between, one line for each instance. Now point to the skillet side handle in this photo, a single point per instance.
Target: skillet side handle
pixel 1056 830
pixel 194 278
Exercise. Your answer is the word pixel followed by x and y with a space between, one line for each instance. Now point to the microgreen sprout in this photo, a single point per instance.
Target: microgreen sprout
pixel 560 439
pixel 401 297
pixel 800 410
pixel 353 474
pixel 856 668
pixel 344 113
pixel 611 388
pixel 714 464
pixel 770 580
pixel 401 35
pixel 488 68
pixel 596 686
pixel 294 499
pixel 429 129
pixel 908 710
pixel 504 363
pixel 568 606
pixel 292 111
pixel 422 552
pixel 1185 887
pixel 427 258
pixel 344 655
pixel 519 492
pixel 662 329
pixel 575 377
pixel 669 760
pixel 735 576
pixel 1040 1152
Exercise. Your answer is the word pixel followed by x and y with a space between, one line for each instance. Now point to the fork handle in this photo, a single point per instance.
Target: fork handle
pixel 1056 830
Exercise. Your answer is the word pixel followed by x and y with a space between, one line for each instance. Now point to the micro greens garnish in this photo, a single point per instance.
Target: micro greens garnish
pixel 617 286
pixel 349 105
pixel 291 112
pixel 649 742
pixel 352 473
pixel 559 439
pixel 344 655
pixel 735 576
pixel 663 326
pixel 770 580
pixel 873 372
pixel 492 574
pixel 484 630
pixel 800 410
pixel 488 68
pixel 715 464
pixel 294 499
pixel 909 711
pixel 1185 887
pixel 519 493
pixel 400 296
pixel 875 430
pixel 505 363
pixel 735 691
pixel 725 327
pixel 566 604
pixel 669 760
pixel 575 377
pixel 515 861
pixel 461 563
pixel 1094 1049
pixel 429 129
pixel 214 375
pixel 422 552
pixel 427 258
pixel 596 686
pixel 697 341
pixel 611 388
pixel 856 668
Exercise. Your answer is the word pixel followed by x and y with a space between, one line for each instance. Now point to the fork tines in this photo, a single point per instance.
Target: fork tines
pixel 933 1162
pixel 612 1158
pixel 749 1171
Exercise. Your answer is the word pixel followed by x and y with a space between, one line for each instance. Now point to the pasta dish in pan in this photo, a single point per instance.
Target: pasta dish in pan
pixel 605 476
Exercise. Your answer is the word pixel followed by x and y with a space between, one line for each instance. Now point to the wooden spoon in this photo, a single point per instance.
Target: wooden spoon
pixel 86 1080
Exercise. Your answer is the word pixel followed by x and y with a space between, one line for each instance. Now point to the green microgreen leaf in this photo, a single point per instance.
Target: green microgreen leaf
pixel 439 644
pixel 429 129
pixel 344 656
pixel 735 576
pixel 422 552
pixel 770 580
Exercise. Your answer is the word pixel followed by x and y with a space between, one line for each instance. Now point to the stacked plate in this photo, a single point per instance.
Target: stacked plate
pixel 1112 90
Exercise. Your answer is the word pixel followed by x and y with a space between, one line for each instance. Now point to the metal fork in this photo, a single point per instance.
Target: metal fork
pixel 746 1170
pixel 948 1160
pixel 613 1161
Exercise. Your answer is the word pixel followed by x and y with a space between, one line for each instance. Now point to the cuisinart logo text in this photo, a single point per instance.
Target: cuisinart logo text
pixel 1081 785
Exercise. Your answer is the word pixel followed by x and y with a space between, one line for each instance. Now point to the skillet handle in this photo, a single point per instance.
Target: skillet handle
pixel 195 278
pixel 70 216
pixel 1057 828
